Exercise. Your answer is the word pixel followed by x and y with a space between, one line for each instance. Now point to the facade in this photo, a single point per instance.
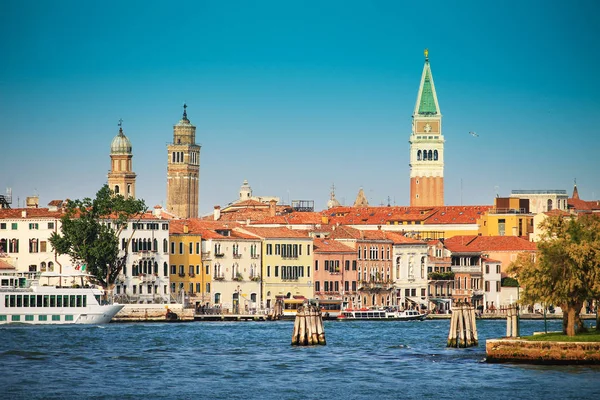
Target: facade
pixel 440 276
pixel 145 277
pixel 410 271
pixel 189 278
pixel 234 261
pixel 543 200
pixel 374 265
pixel 287 259
pixel 336 274
pixel 492 279
pixel 509 217
pixel 183 170
pixel 121 178
pixel 24 240
pixel 426 145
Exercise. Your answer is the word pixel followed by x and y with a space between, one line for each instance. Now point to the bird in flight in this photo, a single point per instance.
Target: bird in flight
pixel 474 134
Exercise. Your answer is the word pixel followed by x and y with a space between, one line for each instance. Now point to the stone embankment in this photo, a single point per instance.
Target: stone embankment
pixel 532 352
pixel 152 312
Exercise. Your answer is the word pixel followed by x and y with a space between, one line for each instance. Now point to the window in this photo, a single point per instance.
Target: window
pixel 497 286
pixel 346 286
pixel 34 226
pixel 14 226
pixel 498 269
pixel 191 248
pixel 277 270
pixel 180 247
pixel 50 225
pixel 268 270
pixel 317 286
pixel 353 265
pixel 277 249
pixel 172 247
pixel 347 266
pixel 316 265
pixel 487 269
pixel 173 269
pixel 487 286
pixel 308 249
pixel 269 249
pixel 3 225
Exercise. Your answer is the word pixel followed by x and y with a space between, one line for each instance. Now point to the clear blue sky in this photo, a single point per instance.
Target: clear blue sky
pixel 295 96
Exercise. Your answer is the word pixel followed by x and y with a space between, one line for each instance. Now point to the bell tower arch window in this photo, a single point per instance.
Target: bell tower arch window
pixel 435 155
pixel 419 155
pixel 116 189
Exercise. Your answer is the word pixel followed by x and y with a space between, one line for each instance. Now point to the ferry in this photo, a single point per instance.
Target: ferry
pixel 330 309
pixel 381 314
pixel 23 300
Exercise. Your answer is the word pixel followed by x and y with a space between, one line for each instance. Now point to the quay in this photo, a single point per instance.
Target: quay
pixel 230 317
pixel 543 352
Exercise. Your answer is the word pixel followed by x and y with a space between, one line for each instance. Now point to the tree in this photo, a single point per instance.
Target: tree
pixel 566 268
pixel 90 232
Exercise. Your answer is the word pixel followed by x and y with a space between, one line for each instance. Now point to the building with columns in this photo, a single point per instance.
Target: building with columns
pixel 183 170
pixel 121 178
pixel 426 145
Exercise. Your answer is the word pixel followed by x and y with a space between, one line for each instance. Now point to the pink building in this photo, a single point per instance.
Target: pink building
pixel 336 275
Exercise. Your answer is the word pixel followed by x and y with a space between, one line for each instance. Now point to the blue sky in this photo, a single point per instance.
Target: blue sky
pixel 297 95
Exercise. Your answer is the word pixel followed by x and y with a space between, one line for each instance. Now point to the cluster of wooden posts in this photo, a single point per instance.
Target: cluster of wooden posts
pixel 512 321
pixel 463 329
pixel 308 327
pixel 277 311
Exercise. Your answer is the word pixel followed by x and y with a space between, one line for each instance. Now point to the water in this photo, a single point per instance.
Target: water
pixel 254 360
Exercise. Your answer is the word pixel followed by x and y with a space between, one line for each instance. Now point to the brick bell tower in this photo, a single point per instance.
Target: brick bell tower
pixel 426 146
pixel 183 170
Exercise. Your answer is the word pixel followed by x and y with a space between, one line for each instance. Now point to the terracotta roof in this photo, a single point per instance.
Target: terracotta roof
pixel 275 233
pixel 294 218
pixel 55 203
pixel 583 206
pixel 331 246
pixel 470 243
pixel 399 238
pixel 17 213
pixel 556 211
pixel 457 214
pixel 489 260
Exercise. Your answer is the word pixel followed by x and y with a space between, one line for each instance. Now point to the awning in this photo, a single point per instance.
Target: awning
pixel 436 300
pixel 418 300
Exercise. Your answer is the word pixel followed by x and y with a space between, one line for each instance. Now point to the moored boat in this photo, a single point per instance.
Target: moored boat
pixel 23 300
pixel 381 314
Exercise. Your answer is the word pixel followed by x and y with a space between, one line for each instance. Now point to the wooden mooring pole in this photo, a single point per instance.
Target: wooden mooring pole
pixel 308 327
pixel 463 328
pixel 512 321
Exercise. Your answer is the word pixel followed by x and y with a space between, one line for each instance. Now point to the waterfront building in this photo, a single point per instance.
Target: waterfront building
pixel 492 283
pixel 287 259
pixel 121 178
pixel 466 264
pixel 440 276
pixel 410 270
pixel 25 235
pixel 183 170
pixel 189 278
pixel 510 216
pixel 145 276
pixel 233 259
pixel 336 273
pixel 374 264
pixel 426 145
pixel 543 200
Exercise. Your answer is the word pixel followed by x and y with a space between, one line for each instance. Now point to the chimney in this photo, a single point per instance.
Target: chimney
pixel 186 228
pixel 272 207
pixel 217 213
pixel 24 214
pixel 32 201
pixel 157 211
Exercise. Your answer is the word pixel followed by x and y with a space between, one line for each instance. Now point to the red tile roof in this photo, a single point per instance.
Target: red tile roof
pixel 275 233
pixel 470 243
pixel 331 246
pixel 5 265
pixel 17 213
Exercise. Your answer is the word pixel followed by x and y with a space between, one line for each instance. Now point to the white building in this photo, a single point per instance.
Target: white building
pixel 492 283
pixel 543 200
pixel 410 270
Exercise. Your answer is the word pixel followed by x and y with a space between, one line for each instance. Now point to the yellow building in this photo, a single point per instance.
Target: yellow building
pixel 286 263
pixel 510 216
pixel 189 278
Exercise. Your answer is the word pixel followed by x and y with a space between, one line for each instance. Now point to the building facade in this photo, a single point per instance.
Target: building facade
pixel 121 178
pixel 183 170
pixel 336 274
pixel 426 145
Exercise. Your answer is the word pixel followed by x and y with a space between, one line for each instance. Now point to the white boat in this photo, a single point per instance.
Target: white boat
pixel 23 300
pixel 381 314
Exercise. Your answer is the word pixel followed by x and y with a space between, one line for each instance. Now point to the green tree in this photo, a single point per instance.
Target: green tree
pixel 90 232
pixel 566 268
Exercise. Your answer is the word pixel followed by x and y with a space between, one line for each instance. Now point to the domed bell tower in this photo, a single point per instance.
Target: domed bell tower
pixel 121 178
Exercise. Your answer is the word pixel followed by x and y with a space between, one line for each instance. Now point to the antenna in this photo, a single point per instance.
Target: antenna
pixel 461 191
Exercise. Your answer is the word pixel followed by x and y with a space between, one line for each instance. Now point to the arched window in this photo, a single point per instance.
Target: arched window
pixel 50 266
pixel 165 246
pixel 129 189
pixel 155 245
pixel 155 267
pixel 549 204
pixel 419 155
pixel 429 155
pixel 217 298
pixel 435 155
pixel 116 189
pixel 43 266
pixel 165 269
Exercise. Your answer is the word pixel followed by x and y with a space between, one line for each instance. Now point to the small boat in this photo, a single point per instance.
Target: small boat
pixel 24 301
pixel 381 314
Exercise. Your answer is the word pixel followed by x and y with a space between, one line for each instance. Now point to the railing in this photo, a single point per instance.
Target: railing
pixel 507 211
pixel 192 274
pixel 182 274
pixel 382 285
pixel 219 255
pixel 219 277
pixel 237 255
pixel 471 269
pixel 289 257
pixel 206 254
pixel 255 256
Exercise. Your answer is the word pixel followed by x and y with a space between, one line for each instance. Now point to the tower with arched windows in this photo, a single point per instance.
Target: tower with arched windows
pixel 426 145
pixel 121 178
pixel 183 170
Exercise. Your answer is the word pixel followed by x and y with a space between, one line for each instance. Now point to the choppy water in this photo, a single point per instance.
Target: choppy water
pixel 254 360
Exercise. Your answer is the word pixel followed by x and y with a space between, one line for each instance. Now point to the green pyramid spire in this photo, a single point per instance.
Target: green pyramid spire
pixel 427 103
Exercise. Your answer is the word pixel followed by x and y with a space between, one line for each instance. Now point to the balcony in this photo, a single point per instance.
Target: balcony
pixel 219 255
pixel 218 277
pixel 289 257
pixel 467 269
pixel 255 256
pixel 205 255
pixel 192 274
pixel 237 255
pixel 182 274
pixel 375 285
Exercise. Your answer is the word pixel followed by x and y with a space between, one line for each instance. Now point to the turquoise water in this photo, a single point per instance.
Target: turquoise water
pixel 254 360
